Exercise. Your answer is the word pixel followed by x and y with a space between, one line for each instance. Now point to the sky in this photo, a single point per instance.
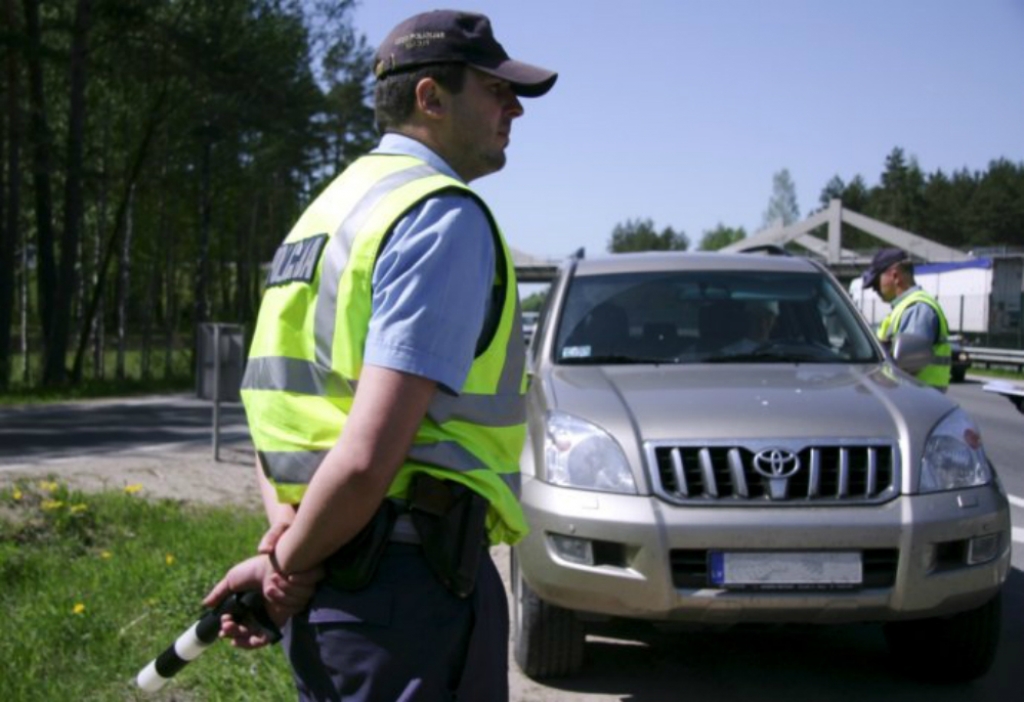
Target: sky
pixel 681 111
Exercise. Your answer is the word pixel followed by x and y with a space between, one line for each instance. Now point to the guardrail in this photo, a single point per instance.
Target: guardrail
pixel 989 357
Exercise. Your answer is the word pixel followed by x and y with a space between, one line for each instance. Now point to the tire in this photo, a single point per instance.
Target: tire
pixel 957 375
pixel 952 649
pixel 547 641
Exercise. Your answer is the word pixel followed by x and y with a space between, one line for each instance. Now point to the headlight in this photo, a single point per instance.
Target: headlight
pixel 953 456
pixel 581 455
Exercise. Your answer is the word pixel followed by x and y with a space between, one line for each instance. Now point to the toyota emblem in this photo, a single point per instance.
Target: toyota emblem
pixel 776 463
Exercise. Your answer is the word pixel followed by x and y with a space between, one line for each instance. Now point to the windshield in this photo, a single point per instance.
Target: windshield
pixel 709 317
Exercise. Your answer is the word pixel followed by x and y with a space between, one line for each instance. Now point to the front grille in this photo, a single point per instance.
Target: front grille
pixel 690 567
pixel 777 473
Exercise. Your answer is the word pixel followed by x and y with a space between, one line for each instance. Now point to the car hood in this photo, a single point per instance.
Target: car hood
pixel 762 401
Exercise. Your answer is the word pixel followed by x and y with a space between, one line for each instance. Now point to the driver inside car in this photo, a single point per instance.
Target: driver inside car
pixel 759 317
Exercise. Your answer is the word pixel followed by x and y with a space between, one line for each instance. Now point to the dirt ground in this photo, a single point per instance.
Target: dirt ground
pixel 191 474
pixel 184 473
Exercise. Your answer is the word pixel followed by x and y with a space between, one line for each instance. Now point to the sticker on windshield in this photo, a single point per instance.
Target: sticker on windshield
pixel 576 351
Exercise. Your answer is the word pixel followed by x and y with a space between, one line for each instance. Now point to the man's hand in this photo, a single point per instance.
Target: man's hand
pixel 284 595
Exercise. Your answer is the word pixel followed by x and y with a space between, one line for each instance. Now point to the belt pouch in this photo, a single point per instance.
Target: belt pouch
pixel 451 522
pixel 353 566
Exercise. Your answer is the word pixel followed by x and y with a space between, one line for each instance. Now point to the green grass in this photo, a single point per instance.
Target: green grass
pixel 92 389
pixel 94 586
pixel 1005 373
pixel 180 379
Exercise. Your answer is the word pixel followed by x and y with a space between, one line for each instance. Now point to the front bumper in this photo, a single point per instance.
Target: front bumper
pixel 650 558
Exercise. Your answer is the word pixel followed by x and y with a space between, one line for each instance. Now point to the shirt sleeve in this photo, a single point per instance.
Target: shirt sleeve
pixel 431 291
pixel 920 319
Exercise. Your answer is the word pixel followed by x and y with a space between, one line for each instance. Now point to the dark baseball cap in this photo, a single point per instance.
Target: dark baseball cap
pixel 883 260
pixel 450 36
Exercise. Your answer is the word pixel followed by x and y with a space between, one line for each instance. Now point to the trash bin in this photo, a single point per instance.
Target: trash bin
pixel 220 361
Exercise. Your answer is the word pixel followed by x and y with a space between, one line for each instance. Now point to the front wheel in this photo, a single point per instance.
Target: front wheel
pixel 958 648
pixel 547 640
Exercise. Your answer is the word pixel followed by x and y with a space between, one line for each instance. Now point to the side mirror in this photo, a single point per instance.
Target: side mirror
pixel 911 352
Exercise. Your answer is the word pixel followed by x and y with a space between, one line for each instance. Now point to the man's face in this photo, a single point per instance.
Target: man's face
pixel 480 125
pixel 886 284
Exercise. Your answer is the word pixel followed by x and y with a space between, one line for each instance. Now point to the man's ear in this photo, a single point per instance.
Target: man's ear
pixel 430 98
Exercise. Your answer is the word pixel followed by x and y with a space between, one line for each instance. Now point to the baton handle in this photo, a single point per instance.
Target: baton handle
pixel 191 644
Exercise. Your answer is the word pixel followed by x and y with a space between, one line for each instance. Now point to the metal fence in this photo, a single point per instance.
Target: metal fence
pixel 996 358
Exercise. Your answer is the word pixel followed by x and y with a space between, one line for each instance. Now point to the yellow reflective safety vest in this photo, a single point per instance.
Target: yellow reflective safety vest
pixel 937 372
pixel 307 350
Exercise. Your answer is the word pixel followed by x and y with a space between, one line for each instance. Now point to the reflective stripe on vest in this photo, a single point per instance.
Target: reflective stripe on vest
pixel 936 373
pixel 301 376
pixel 299 466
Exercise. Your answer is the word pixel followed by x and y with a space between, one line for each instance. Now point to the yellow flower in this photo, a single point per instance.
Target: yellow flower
pixel 16 494
pixel 78 608
pixel 132 489
pixel 106 555
pixel 169 559
pixel 50 505
pixel 48 485
pixel 80 507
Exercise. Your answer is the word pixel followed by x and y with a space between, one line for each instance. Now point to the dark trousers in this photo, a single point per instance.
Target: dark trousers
pixel 404 638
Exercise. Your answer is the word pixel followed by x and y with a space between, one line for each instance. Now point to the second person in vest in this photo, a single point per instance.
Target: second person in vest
pixel 914 311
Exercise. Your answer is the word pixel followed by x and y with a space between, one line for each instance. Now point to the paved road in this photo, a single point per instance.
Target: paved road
pixel 33 433
pixel 841 664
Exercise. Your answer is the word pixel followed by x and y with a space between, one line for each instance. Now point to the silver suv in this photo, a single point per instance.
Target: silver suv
pixel 718 439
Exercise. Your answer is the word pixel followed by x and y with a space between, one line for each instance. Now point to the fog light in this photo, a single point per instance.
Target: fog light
pixel 982 549
pixel 573 549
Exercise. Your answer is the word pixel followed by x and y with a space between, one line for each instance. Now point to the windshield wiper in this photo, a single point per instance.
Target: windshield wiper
pixel 769 355
pixel 613 359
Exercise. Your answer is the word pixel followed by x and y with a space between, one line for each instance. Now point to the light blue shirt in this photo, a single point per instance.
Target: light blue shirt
pixel 432 282
pixel 918 319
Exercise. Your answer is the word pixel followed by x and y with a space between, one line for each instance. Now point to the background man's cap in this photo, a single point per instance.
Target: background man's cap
pixel 882 261
pixel 449 36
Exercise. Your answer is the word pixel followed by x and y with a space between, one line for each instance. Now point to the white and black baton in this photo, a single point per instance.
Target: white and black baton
pixel 200 635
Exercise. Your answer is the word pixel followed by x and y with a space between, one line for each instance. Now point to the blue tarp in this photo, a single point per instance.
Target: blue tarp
pixel 983 263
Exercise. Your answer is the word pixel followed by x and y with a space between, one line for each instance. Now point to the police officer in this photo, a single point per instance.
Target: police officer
pixel 388 347
pixel 914 311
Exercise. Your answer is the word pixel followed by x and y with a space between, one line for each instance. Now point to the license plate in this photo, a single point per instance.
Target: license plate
pixel 786 569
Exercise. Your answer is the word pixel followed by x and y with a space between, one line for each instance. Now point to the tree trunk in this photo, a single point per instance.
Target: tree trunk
pixel 171 317
pixel 152 289
pixel 10 198
pixel 169 280
pixel 224 280
pixel 26 373
pixel 123 285
pixel 256 280
pixel 40 144
pixel 246 261
pixel 97 326
pixel 205 209
pixel 59 333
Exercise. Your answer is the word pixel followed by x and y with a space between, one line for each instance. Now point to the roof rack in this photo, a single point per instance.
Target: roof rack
pixel 770 249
